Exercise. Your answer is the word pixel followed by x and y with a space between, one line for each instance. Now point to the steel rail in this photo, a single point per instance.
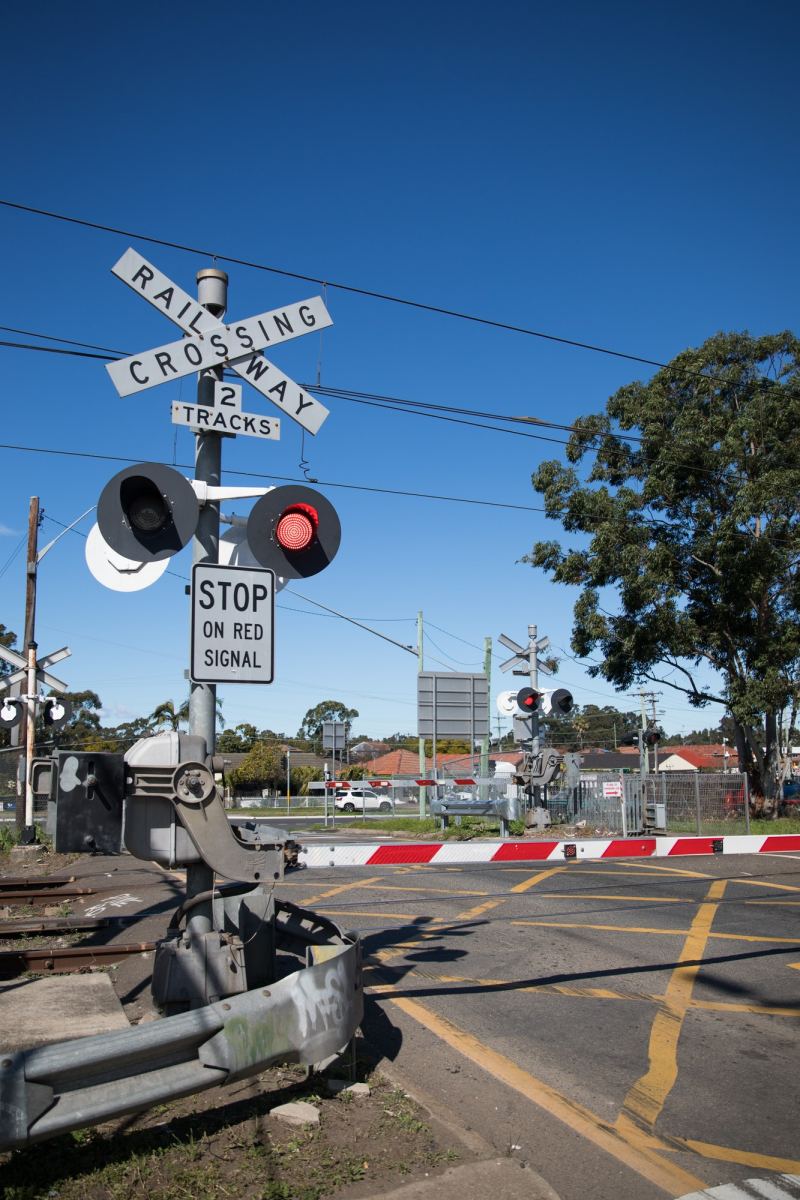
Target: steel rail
pixel 57 960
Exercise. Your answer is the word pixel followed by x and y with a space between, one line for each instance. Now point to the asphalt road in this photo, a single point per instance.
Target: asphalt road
pixel 629 1028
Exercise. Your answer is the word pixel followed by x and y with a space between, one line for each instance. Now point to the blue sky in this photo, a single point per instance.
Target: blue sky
pixel 623 175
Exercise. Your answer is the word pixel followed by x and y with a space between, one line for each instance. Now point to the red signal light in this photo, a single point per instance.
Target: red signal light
pixel 296 527
pixel 528 699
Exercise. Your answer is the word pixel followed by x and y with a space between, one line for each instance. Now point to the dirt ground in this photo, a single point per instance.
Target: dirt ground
pixel 225 1143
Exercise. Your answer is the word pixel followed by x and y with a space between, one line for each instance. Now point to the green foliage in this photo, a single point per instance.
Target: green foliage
pixel 238 740
pixel 351 772
pixel 7 639
pixel 262 768
pixel 591 726
pixel 326 710
pixel 83 729
pixel 170 715
pixel 693 523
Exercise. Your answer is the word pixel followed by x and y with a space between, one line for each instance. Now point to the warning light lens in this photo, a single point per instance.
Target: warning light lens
pixel 296 527
pixel 144 505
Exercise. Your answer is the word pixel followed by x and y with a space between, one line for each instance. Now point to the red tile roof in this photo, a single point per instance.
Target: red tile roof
pixel 708 758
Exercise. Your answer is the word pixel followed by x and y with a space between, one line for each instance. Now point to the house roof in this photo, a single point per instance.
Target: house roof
pixel 699 758
pixel 406 762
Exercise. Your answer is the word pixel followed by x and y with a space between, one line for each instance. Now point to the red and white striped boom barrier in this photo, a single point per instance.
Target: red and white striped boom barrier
pixel 376 854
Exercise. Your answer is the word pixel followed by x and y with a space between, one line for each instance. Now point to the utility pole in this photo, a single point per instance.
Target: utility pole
pixel 423 794
pixel 487 669
pixel 643 757
pixel 212 294
pixel 533 651
pixel 24 821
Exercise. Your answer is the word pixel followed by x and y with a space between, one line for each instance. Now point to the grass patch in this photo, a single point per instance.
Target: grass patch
pixel 721 827
pixel 225 1144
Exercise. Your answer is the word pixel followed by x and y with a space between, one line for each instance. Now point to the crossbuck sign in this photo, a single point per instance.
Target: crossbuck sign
pixel 209 343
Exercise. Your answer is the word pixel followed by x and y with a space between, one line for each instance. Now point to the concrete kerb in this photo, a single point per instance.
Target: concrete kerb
pixel 490 1173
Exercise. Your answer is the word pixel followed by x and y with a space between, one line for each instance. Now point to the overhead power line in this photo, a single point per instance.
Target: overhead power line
pixel 354 487
pixel 352 289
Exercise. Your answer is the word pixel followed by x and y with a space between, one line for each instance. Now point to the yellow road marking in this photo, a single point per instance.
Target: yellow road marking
pixel 596 993
pixel 385 887
pixel 690 874
pixel 646 1098
pixel 778 900
pixel 337 891
pixel 633 899
pixel 762 1162
pixel 537 878
pixel 759 1010
pixel 480 908
pixel 635 1152
pixel 765 883
pixel 732 937
pixel 382 916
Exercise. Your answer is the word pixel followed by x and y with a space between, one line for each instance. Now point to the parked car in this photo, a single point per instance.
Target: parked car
pixel 351 800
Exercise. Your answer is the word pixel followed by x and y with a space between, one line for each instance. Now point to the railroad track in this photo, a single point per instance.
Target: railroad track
pixel 41 887
pixel 51 960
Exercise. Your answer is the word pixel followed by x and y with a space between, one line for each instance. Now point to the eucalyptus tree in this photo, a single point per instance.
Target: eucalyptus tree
pixel 685 540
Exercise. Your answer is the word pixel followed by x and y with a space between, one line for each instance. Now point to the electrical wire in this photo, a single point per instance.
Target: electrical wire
pixel 413 408
pixel 356 487
pixel 215 256
pixel 342 287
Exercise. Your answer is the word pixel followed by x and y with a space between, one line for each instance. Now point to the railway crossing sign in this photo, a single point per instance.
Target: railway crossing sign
pixel 224 415
pixel 209 343
pixel 42 676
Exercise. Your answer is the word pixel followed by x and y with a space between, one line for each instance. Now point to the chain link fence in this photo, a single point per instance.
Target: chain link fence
pixel 670 802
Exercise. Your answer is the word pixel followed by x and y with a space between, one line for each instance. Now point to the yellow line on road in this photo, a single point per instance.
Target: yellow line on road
pixel 633 899
pixel 479 909
pixel 537 878
pixel 337 891
pixel 766 883
pixel 644 867
pixel 759 1010
pixel 731 937
pixel 378 916
pixel 762 1162
pixel 638 1157
pixel 648 1095
pixel 596 993
pixel 385 887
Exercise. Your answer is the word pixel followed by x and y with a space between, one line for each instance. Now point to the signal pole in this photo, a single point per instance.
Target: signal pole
pixel 423 792
pixel 24 818
pixel 212 294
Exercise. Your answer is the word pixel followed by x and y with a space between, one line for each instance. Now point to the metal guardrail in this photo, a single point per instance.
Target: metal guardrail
pixel 308 1017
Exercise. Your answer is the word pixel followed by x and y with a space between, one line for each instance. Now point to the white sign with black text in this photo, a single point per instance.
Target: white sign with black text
pixel 210 341
pixel 225 415
pixel 232 624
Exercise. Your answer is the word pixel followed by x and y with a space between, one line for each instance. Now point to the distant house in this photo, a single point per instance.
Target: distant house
pixel 402 762
pixel 698 758
pixel 363 751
